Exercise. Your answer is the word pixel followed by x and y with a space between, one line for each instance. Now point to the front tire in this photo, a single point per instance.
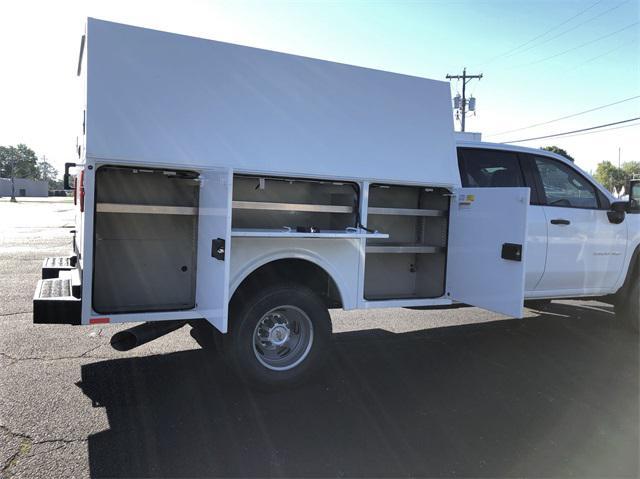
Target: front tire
pixel 277 336
pixel 627 306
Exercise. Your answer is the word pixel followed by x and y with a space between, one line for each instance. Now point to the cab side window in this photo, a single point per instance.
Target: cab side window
pixel 564 186
pixel 489 168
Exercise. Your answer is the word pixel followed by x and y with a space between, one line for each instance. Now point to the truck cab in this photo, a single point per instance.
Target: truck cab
pixel 579 242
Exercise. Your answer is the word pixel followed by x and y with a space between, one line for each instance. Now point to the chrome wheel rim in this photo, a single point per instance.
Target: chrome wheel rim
pixel 283 338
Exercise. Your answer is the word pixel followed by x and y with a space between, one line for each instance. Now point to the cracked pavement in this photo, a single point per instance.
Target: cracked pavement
pixel 554 395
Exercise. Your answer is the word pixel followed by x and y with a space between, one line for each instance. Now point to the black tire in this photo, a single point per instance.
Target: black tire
pixel 627 305
pixel 290 305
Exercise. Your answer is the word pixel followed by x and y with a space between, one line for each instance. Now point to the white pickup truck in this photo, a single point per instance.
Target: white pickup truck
pixel 581 241
pixel 246 192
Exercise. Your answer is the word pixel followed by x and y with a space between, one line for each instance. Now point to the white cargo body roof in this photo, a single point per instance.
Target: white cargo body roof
pixel 166 99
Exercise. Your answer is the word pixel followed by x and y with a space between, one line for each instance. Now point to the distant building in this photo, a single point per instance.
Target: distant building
pixel 24 187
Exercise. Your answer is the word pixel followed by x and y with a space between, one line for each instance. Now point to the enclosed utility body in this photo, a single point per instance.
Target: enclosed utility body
pixel 210 174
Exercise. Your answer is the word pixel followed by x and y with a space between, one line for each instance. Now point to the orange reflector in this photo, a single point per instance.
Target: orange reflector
pixel 99 320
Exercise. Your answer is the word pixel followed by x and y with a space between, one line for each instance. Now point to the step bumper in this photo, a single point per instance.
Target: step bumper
pixel 52 265
pixel 57 300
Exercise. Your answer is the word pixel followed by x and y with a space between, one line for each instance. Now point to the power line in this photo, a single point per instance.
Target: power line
pixel 608 52
pixel 565 117
pixel 603 130
pixel 574 27
pixel 574 131
pixel 578 46
pixel 507 53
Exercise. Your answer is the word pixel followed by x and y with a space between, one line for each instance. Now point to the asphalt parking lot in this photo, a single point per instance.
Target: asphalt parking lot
pixel 404 392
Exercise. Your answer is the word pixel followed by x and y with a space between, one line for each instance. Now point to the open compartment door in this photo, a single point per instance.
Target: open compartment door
pixel 214 233
pixel 487 237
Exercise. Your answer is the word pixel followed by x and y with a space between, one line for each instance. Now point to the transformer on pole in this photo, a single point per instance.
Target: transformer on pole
pixel 461 104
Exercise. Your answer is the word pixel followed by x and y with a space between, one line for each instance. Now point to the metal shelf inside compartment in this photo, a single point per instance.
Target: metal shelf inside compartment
pixel 128 208
pixel 405 211
pixel 273 206
pixel 403 248
pixel 282 233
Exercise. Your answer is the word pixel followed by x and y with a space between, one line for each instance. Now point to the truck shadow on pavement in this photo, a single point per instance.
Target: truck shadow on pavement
pixel 552 395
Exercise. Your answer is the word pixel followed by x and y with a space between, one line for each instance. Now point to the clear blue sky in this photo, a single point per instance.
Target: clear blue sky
pixel 39 42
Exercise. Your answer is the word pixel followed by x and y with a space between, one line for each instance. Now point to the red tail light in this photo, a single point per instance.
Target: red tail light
pixel 81 192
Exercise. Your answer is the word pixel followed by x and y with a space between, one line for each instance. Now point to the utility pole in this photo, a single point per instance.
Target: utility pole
pixel 619 157
pixel 13 184
pixel 465 79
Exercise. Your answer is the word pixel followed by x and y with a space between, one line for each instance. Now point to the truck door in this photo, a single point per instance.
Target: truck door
pixel 485 260
pixel 214 232
pixel 586 250
pixel 486 168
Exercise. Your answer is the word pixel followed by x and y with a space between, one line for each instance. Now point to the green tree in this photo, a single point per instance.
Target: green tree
pixel 631 169
pixel 21 159
pixel 559 151
pixel 5 161
pixel 610 176
pixel 47 172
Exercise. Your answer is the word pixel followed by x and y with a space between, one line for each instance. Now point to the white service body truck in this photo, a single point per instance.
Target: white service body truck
pixel 245 192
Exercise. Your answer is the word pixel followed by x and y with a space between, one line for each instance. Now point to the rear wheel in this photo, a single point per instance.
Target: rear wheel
pixel 627 305
pixel 278 336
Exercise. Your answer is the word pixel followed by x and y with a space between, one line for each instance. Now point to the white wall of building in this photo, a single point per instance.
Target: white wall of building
pixel 24 187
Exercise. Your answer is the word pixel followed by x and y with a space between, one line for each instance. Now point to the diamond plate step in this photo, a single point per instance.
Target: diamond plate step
pixel 53 302
pixel 52 265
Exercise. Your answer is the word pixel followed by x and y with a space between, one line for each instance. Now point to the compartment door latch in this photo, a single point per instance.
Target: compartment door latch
pixel 217 248
pixel 512 251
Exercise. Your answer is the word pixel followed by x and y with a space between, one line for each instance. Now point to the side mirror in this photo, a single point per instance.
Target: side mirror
pixel 617 213
pixel 634 196
pixel 65 178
